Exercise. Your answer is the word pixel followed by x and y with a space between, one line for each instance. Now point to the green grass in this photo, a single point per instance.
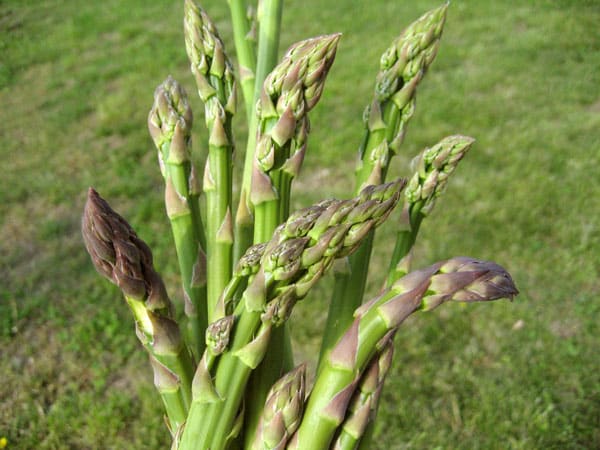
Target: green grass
pixel 76 82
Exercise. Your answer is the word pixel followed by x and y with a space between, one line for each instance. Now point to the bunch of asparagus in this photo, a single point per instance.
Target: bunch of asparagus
pixel 224 366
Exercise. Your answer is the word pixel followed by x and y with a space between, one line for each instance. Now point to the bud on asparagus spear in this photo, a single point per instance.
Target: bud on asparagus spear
pixel 289 92
pixel 402 67
pixel 457 279
pixel 432 168
pixel 123 258
pixel 217 89
pixel 298 255
pixel 282 411
pixel 170 124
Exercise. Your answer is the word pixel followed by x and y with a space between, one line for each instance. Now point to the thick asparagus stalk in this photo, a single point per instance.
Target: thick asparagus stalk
pixel 299 254
pixel 402 67
pixel 170 123
pixel 123 258
pixel 282 411
pixel 213 72
pixel 458 279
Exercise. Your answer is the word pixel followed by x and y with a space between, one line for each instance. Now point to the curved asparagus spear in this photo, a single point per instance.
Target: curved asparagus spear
pixel 124 259
pixel 299 254
pixel 170 123
pixel 403 65
pixel 458 279
pixel 213 72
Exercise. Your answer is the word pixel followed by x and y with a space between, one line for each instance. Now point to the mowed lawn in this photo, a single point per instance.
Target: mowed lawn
pixel 523 78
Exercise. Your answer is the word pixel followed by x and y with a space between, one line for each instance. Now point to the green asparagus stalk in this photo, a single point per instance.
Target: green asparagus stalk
pixel 282 411
pixel 169 123
pixel 403 65
pixel 244 34
pixel 458 279
pixel 213 72
pixel 269 24
pixel 300 252
pixel 124 259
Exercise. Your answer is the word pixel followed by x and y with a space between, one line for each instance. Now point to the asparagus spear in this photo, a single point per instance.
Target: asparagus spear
pixel 268 19
pixel 432 168
pixel 282 411
pixel 290 91
pixel 458 279
pixel 124 259
pixel 298 255
pixel 403 65
pixel 213 72
pixel 170 123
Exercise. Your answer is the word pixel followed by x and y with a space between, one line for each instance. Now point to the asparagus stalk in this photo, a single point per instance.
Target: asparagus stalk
pixel 403 65
pixel 244 34
pixel 282 411
pixel 300 252
pixel 213 72
pixel 169 123
pixel 269 23
pixel 124 259
pixel 458 279
pixel 290 91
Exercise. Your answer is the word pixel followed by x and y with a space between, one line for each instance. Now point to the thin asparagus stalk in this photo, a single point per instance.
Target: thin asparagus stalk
pixel 269 23
pixel 213 72
pixel 124 259
pixel 458 279
pixel 169 123
pixel 244 34
pixel 299 253
pixel 282 411
pixel 403 65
